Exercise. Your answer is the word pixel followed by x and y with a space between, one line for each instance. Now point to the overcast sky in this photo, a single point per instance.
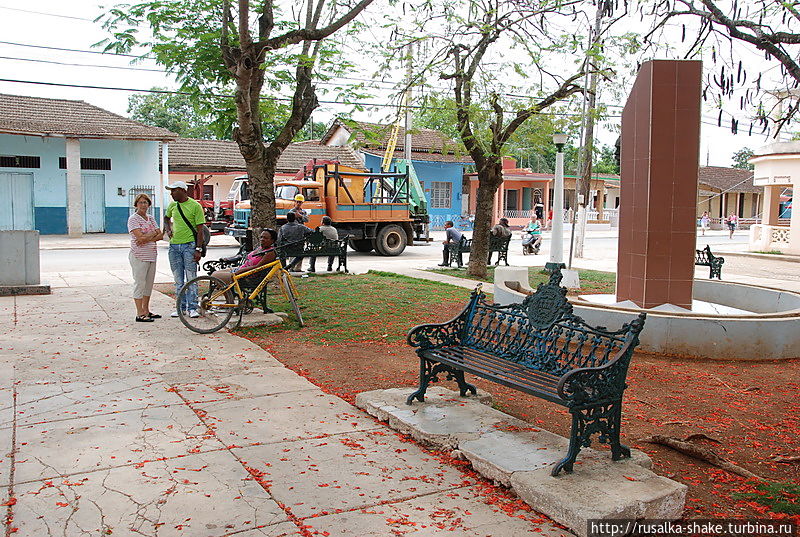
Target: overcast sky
pixel 69 25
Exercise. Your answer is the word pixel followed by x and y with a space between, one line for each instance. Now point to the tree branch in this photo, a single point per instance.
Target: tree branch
pixel 304 34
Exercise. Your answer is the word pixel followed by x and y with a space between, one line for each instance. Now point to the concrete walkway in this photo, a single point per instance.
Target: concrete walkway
pixel 119 428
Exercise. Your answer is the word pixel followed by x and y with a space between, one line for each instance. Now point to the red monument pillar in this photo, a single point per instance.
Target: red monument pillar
pixel 660 151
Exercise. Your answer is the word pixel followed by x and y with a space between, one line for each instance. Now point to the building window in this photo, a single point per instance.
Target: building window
pixel 441 194
pixel 88 163
pixel 19 161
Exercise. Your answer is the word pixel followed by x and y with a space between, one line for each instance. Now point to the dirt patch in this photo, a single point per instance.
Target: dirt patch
pixel 751 409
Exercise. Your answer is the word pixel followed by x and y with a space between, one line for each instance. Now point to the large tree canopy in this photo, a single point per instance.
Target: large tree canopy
pixel 219 45
pixel 506 62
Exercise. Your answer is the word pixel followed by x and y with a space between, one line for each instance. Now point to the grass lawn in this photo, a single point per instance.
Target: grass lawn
pixel 592 281
pixel 359 309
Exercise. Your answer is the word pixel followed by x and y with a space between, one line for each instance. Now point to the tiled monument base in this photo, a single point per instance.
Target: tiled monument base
pixel 516 454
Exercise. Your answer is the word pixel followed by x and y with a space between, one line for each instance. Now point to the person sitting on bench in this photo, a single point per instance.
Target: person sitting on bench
pixel 453 236
pixel 262 255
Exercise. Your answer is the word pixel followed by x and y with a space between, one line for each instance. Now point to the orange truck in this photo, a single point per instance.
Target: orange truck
pixel 381 211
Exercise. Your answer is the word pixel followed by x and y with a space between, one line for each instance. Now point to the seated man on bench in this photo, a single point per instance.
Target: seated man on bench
pixel 452 236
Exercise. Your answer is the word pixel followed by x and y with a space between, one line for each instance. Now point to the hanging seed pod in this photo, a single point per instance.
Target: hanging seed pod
pixel 719 119
pixel 758 82
pixel 683 33
pixel 714 54
pixel 739 74
pixel 734 126
pixel 705 96
pixel 750 132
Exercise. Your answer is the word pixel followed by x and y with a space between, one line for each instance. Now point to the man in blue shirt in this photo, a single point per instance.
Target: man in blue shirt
pixel 453 236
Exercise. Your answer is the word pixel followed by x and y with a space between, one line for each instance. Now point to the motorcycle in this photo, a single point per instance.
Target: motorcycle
pixel 530 243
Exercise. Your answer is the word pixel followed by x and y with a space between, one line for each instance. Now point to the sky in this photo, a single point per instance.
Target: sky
pixel 69 25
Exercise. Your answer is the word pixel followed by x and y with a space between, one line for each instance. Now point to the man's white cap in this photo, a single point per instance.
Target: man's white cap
pixel 178 184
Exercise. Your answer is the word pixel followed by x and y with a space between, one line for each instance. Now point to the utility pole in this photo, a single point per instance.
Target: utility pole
pixel 409 74
pixel 583 182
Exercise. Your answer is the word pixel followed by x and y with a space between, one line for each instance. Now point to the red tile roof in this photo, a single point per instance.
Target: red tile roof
pixel 728 179
pixel 192 154
pixel 375 136
pixel 37 116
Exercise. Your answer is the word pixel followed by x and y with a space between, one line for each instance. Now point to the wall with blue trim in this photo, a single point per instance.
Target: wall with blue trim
pixel 132 163
pixel 428 171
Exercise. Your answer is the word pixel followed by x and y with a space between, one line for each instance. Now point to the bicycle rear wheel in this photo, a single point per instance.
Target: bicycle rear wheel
pixel 215 307
pixel 288 288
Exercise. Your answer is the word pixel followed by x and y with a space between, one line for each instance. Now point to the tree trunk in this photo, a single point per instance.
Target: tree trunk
pixel 489 179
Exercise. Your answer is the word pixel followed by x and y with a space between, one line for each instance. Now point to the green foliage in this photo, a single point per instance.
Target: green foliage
pixel 606 161
pixel 741 157
pixel 175 112
pixel 779 497
pixel 184 36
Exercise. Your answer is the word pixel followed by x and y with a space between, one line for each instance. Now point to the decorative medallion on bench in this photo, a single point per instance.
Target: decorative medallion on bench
pixel 541 348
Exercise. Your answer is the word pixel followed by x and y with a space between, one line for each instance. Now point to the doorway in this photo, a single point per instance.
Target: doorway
pixel 94 202
pixel 17 189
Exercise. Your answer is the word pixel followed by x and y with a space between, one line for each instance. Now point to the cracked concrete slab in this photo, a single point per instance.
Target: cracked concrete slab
pixel 462 512
pixel 86 444
pixel 208 494
pixel 44 402
pixel 284 416
pixel 349 471
pixel 254 383
pixel 517 454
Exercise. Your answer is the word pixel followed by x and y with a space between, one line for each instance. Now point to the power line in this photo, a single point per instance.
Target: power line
pixel 227 96
pixel 126 68
pixel 74 50
pixel 46 14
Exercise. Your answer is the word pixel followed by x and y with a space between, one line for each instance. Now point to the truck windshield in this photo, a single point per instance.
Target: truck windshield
pixel 286 192
pixel 239 191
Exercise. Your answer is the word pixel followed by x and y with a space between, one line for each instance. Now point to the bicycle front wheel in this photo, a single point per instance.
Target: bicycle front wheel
pixel 288 287
pixel 214 304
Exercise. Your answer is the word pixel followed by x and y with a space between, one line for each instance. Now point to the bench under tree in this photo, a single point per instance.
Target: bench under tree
pixel 316 245
pixel 498 245
pixel 704 258
pixel 539 347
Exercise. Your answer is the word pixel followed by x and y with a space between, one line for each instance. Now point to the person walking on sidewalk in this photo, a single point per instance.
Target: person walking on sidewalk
pixel 142 257
pixel 733 222
pixel 704 221
pixel 453 236
pixel 183 223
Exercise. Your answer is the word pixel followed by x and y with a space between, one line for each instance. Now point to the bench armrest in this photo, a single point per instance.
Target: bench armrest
pixel 430 336
pixel 597 384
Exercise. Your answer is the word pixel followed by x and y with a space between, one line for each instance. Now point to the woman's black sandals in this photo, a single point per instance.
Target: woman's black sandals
pixel 154 315
pixel 143 319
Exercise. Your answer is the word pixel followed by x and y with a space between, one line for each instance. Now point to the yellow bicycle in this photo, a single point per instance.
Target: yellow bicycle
pixel 218 301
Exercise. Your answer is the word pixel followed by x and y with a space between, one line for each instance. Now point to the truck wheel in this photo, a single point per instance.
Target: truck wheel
pixel 361 245
pixel 391 240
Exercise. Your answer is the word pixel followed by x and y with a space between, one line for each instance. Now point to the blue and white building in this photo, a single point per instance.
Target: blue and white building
pixel 67 167
pixel 439 166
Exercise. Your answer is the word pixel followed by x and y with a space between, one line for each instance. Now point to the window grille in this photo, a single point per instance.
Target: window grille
pixel 88 163
pixel 141 189
pixel 19 161
pixel 441 194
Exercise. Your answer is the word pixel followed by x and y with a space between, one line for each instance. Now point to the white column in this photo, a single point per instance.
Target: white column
pixel 74 188
pixel 164 178
pixel 557 238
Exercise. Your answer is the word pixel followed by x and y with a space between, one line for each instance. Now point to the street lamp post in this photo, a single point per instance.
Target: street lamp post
pixel 557 238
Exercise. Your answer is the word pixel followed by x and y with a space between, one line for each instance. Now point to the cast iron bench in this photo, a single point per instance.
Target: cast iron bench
pixel 541 348
pixel 704 258
pixel 497 245
pixel 316 245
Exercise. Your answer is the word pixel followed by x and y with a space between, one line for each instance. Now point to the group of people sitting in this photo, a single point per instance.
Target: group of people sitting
pixel 294 230
pixel 501 229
